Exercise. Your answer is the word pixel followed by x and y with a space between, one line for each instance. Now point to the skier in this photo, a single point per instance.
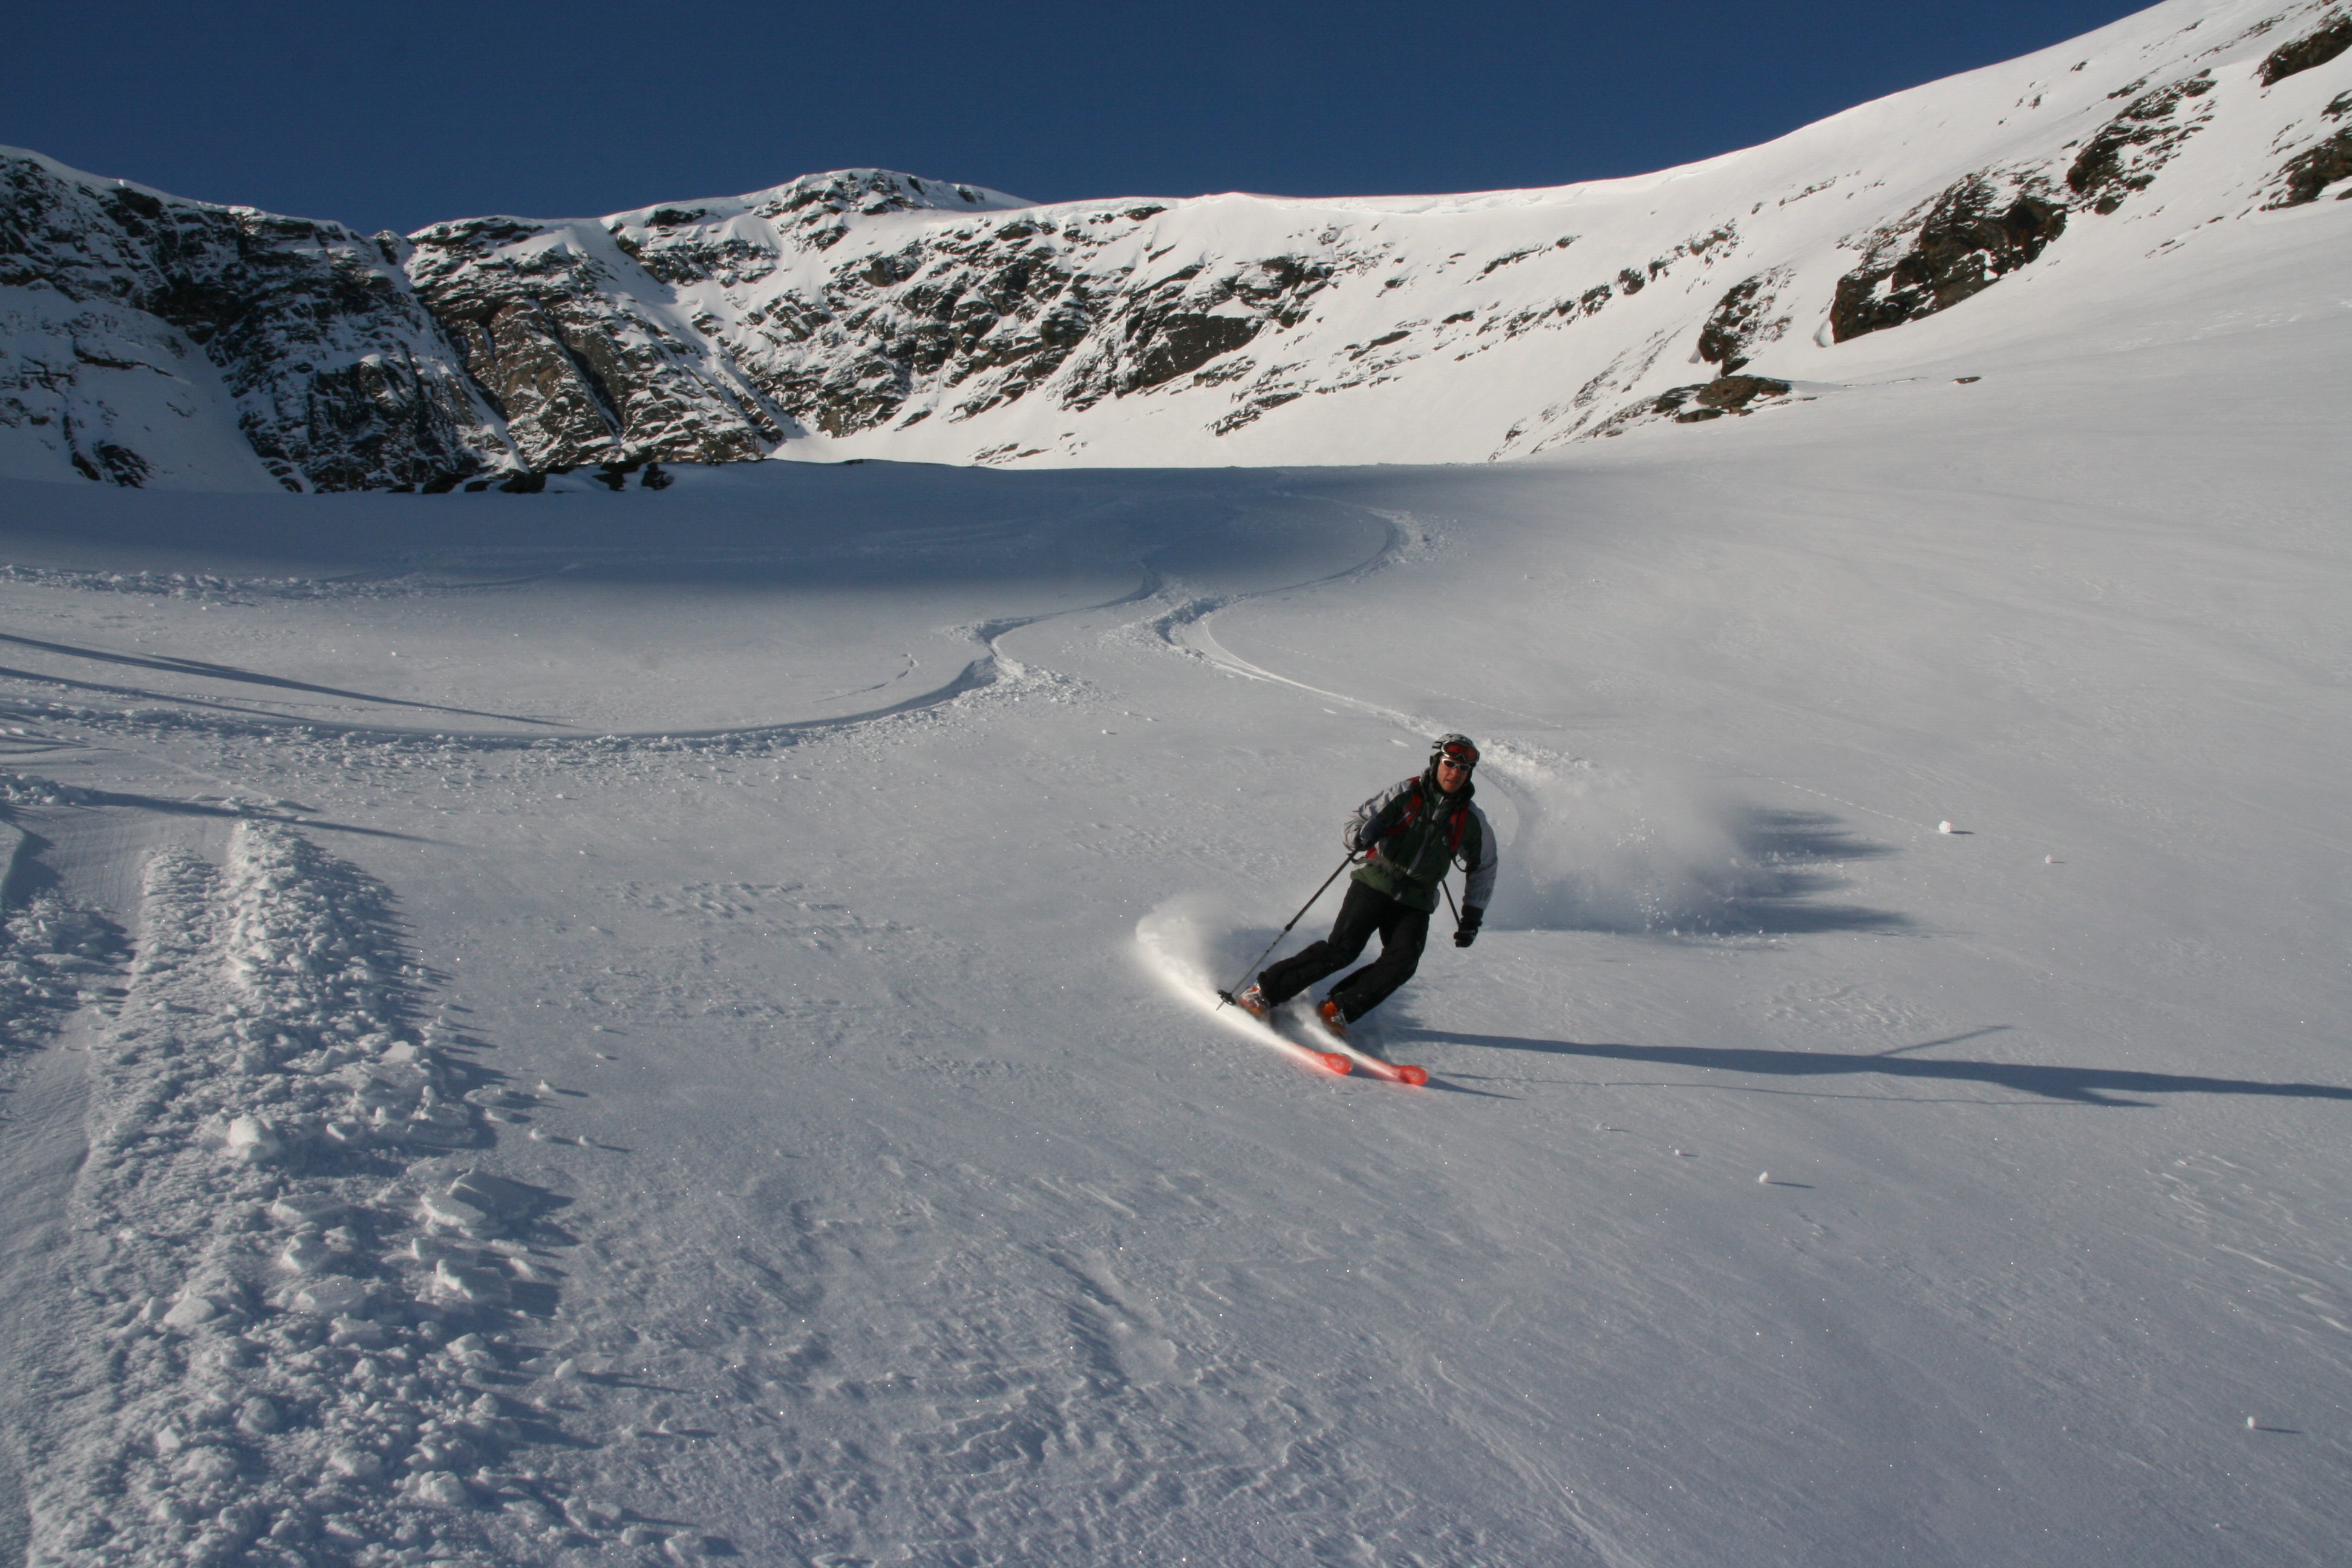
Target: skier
pixel 1410 835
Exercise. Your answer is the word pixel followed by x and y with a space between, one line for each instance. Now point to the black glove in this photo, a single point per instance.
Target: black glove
pixel 1467 931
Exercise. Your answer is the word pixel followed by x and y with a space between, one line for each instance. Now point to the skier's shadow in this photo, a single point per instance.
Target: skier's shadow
pixel 2079 1086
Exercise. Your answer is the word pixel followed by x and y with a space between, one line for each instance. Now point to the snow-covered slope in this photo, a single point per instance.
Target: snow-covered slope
pixel 877 315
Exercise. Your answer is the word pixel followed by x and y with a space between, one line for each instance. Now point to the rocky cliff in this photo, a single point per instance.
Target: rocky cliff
pixel 141 334
pixel 865 313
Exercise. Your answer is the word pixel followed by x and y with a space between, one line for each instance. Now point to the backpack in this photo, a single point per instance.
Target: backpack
pixel 1453 832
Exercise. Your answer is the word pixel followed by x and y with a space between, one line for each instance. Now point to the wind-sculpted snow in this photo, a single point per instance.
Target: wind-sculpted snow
pixel 871 314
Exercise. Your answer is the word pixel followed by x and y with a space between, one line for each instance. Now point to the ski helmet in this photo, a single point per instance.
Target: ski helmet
pixel 1457 749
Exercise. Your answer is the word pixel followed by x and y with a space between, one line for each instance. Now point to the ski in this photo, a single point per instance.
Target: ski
pixel 1395 1072
pixel 1335 1026
pixel 1345 1057
pixel 1330 1061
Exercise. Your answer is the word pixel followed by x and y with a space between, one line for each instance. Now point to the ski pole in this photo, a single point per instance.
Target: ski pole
pixel 1227 994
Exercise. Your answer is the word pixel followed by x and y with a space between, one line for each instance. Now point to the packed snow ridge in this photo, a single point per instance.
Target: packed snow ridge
pixel 149 339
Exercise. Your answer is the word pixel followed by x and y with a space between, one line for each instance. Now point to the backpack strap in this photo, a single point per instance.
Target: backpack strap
pixel 1405 819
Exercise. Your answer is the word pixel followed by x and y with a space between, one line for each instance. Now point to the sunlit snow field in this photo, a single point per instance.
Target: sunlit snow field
pixel 808 881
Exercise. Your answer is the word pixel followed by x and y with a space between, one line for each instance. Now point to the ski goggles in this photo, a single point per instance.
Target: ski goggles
pixel 1461 754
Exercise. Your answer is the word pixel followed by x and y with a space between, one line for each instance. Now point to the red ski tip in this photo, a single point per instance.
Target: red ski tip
pixel 1334 1061
pixel 1413 1075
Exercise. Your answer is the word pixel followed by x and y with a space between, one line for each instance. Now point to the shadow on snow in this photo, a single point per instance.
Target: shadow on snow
pixel 2081 1086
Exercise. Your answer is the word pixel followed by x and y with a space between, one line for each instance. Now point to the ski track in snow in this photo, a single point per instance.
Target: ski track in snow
pixel 312 1301
pixel 1189 946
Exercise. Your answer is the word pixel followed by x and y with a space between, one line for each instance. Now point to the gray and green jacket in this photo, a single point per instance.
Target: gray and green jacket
pixel 1412 850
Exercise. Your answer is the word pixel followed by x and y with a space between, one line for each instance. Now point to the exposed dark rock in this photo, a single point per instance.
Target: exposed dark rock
pixel 1692 404
pixel 109 462
pixel 656 477
pixel 2315 169
pixel 1977 231
pixel 1248 411
pixel 2331 38
pixel 122 465
pixel 1184 340
pixel 2126 154
pixel 1743 320
pixel 550 331
pixel 524 484
pixel 1729 392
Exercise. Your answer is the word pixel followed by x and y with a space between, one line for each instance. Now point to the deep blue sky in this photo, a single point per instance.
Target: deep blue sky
pixel 396 116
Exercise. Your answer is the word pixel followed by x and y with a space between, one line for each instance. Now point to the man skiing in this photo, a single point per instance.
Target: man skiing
pixel 1410 835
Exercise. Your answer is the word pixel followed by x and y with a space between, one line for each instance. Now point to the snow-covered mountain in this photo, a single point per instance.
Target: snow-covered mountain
pixel 864 313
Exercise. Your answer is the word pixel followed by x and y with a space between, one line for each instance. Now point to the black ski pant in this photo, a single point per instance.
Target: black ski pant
pixel 1404 931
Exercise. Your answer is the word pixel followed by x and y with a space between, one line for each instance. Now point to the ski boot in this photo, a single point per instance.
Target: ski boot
pixel 1252 1001
pixel 1334 1020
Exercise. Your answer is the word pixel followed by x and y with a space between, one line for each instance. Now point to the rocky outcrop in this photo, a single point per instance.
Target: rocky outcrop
pixel 2317 47
pixel 2127 153
pixel 1698 403
pixel 339 377
pixel 1950 249
pixel 982 313
pixel 1745 320
pixel 2315 169
pixel 549 321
